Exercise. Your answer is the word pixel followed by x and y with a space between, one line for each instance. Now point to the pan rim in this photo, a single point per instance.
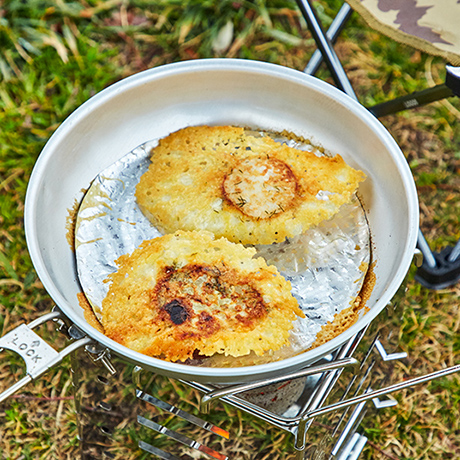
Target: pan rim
pixel 221 64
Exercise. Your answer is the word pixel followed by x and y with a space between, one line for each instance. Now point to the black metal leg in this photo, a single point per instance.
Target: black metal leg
pixel 439 269
pixel 325 46
pixel 445 272
pixel 428 257
pixel 448 89
pixel 411 101
pixel 332 34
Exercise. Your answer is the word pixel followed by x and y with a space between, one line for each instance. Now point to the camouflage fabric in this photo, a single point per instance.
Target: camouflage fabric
pixel 432 26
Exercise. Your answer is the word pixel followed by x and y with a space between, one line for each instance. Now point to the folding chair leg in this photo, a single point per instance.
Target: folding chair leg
pixel 325 46
pixel 428 257
pixel 332 34
pixel 448 89
pixel 445 272
pixel 412 100
pixel 438 270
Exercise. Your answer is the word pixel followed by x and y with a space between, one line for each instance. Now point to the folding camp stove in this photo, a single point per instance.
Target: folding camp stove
pixel 322 406
pixel 116 402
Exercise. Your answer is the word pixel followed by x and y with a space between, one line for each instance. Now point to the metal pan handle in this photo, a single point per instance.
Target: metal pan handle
pixel 36 353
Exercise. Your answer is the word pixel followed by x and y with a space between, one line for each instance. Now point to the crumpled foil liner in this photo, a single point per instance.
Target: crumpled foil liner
pixel 326 265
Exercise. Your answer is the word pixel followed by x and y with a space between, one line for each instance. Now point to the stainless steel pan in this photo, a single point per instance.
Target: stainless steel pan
pixel 159 101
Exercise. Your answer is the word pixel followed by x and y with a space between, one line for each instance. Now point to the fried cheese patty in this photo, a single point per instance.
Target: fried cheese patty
pixel 248 189
pixel 187 293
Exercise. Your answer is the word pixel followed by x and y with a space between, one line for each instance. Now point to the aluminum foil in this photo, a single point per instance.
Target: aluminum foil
pixel 109 223
pixel 326 265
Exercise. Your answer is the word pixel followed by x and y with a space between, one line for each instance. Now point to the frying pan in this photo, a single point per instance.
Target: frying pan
pixel 156 102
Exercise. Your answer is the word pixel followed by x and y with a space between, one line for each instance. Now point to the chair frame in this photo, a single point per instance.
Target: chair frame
pixel 439 269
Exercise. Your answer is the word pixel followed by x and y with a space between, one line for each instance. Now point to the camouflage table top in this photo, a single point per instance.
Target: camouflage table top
pixel 432 26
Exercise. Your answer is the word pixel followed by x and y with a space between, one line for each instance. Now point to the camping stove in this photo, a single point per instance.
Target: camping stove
pixel 125 411
pixel 121 408
pixel 131 408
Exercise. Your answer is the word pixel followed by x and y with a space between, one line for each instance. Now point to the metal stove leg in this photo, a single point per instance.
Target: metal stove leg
pixel 100 404
pixel 323 391
pixel 353 449
pixel 232 390
pixel 165 407
pixel 353 422
pixel 349 444
pixel 384 391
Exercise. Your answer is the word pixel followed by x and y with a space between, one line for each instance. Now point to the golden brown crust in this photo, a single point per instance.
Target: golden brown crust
pixel 188 293
pixel 88 312
pixel 70 224
pixel 193 184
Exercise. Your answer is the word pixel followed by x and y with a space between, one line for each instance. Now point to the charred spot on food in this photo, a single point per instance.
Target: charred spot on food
pixel 198 356
pixel 214 284
pixel 207 286
pixel 177 312
pixel 254 309
pixel 207 324
pixel 169 270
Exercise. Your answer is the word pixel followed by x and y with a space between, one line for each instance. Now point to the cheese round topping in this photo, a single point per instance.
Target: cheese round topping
pixel 187 294
pixel 261 188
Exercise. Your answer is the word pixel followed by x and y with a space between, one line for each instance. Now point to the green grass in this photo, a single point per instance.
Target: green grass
pixel 54 55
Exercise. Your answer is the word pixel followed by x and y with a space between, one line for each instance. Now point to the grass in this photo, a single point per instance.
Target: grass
pixel 54 55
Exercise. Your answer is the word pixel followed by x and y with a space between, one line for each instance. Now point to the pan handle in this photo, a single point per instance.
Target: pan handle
pixel 36 353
